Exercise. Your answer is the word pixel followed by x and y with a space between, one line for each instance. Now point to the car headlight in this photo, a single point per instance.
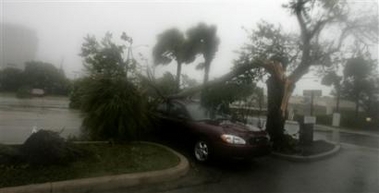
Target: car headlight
pixel 232 139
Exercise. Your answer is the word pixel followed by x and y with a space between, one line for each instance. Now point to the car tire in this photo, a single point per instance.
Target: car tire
pixel 202 151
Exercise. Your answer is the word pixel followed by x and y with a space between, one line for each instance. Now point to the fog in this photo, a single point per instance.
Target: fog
pixel 61 25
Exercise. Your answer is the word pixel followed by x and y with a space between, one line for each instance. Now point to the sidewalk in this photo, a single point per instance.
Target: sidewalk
pixel 344 130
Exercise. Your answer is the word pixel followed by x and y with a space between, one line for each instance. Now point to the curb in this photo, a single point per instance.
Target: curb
pixel 329 128
pixel 326 128
pixel 107 183
pixel 298 158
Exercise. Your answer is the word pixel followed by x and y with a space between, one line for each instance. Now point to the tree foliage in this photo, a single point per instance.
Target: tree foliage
pixel 188 82
pixel 167 84
pixel 77 92
pixel 172 45
pixel 103 58
pixel 360 82
pixel 287 57
pixel 11 79
pixel 332 79
pixel 203 40
pixel 238 87
pixel 114 109
pixel 114 106
pixel 35 75
pixel 46 76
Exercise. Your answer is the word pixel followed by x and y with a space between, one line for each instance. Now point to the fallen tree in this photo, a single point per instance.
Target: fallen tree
pixel 283 59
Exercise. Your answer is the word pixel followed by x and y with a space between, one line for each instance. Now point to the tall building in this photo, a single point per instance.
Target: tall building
pixel 18 44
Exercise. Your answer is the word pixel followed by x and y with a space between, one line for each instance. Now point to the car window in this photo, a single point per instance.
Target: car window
pixel 176 110
pixel 197 112
pixel 162 108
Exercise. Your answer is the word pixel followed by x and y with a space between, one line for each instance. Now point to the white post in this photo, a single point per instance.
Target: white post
pixel 336 119
pixel 336 136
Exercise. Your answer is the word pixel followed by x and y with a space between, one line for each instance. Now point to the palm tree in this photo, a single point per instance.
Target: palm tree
pixel 203 40
pixel 172 45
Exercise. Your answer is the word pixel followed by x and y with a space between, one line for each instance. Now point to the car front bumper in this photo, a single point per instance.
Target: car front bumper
pixel 233 151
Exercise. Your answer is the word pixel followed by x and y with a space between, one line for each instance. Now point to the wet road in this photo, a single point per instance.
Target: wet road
pixel 18 117
pixel 354 169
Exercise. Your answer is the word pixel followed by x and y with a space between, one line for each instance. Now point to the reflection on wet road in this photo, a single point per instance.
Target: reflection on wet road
pixel 19 116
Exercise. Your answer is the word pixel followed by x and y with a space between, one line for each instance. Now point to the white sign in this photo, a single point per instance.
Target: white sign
pixel 309 119
pixel 336 119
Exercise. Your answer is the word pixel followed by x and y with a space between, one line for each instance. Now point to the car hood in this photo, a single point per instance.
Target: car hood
pixel 239 127
pixel 230 127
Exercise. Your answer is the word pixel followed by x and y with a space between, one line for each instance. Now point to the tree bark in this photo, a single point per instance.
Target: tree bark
pixel 207 66
pixel 178 72
pixel 356 106
pixel 275 119
pixel 338 101
pixel 204 92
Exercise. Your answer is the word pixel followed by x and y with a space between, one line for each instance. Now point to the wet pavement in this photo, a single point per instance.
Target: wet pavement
pixel 18 117
pixel 353 169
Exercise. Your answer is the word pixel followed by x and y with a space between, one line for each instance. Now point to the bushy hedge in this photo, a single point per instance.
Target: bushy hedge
pixel 48 148
pixel 114 109
pixel 9 154
pixel 77 92
pixel 350 120
pixel 41 148
pixel 24 92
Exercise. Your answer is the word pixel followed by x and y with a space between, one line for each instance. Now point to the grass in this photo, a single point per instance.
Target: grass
pixel 106 160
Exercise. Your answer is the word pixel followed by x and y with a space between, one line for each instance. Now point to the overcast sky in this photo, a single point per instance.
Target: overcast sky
pixel 61 26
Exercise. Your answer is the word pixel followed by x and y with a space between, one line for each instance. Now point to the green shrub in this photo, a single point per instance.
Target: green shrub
pixel 77 92
pixel 24 92
pixel 48 148
pixel 9 154
pixel 350 120
pixel 114 109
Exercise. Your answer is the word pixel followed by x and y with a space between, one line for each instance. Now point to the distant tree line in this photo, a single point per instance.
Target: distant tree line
pixel 39 75
pixel 359 82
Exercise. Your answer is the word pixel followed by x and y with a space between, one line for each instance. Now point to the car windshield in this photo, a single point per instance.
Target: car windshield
pixel 199 113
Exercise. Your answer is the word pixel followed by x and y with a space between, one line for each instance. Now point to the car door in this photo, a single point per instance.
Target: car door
pixel 177 121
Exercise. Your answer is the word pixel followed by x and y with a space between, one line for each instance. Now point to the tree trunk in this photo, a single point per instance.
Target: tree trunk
pixel 356 106
pixel 338 101
pixel 275 119
pixel 178 72
pixel 206 72
pixel 204 92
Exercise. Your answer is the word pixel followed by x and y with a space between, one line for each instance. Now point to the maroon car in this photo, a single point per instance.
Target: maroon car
pixel 210 136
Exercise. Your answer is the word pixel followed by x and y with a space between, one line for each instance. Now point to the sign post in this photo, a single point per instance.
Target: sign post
pixel 307 124
pixel 336 119
pixel 312 94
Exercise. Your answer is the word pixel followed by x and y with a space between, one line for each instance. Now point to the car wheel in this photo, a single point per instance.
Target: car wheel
pixel 202 150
